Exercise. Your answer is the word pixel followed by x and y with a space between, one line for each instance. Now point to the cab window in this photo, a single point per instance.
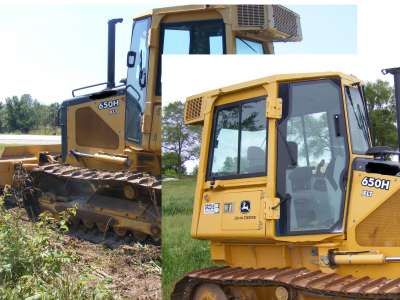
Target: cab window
pixel 246 46
pixel 359 132
pixel 239 140
pixel 312 158
pixel 136 87
pixel 197 37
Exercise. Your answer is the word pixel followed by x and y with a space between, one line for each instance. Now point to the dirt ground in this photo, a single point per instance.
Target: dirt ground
pixel 131 271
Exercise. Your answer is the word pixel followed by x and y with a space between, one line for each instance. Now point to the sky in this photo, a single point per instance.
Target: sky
pixel 328 29
pixel 377 48
pixel 49 48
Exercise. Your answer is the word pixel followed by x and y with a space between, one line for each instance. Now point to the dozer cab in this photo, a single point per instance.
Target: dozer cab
pixel 110 153
pixel 295 200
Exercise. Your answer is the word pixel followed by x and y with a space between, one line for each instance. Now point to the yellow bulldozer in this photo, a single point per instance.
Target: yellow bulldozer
pixel 109 158
pixel 295 200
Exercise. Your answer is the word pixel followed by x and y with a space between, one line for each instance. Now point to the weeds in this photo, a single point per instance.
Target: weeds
pixel 34 266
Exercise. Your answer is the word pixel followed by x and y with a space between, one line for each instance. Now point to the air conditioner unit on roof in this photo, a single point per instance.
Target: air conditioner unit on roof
pixel 275 22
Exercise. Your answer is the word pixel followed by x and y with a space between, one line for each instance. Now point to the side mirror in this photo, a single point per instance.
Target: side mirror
pixel 131 59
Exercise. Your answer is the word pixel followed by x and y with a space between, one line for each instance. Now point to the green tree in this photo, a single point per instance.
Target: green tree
pixel 20 114
pixel 52 114
pixel 181 143
pixel 170 164
pixel 382 113
pixel 25 113
pixel 230 165
pixel 2 118
pixel 46 115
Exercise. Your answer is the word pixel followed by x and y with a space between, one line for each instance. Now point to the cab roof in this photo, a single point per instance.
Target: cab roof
pixel 176 9
pixel 351 79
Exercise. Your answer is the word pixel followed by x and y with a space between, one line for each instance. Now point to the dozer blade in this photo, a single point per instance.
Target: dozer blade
pixel 294 281
pixel 126 202
pixel 27 154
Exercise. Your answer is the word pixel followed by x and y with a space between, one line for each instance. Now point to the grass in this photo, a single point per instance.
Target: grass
pixel 180 253
pixel 178 196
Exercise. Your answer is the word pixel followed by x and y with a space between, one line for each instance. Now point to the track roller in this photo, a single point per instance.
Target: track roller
pixel 88 224
pixel 102 227
pixel 120 232
pixel 209 291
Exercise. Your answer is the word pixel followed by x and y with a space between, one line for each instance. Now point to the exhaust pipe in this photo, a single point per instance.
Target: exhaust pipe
pixel 111 52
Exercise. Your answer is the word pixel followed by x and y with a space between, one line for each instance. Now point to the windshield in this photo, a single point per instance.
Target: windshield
pixel 239 140
pixel 312 157
pixel 136 89
pixel 359 132
pixel 196 37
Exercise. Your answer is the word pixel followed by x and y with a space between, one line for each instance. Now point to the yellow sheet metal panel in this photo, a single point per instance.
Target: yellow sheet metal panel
pixel 232 214
pixel 29 150
pixel 366 199
pixel 239 214
pixel 382 226
pixel 91 135
pixel 7 168
pixel 28 154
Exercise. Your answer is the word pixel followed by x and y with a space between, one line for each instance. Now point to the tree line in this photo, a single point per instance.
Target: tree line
pixel 26 115
pixel 181 143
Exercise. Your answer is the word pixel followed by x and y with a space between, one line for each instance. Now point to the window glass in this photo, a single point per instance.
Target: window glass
pixel 253 138
pixel 136 88
pixel 312 157
pixel 137 75
pixel 133 121
pixel 245 46
pixel 226 139
pixel 359 132
pixel 311 135
pixel 197 37
pixel 176 41
pixel 295 134
pixel 240 129
pixel 216 45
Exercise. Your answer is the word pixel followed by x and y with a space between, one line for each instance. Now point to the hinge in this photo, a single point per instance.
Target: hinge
pixel 272 209
pixel 274 109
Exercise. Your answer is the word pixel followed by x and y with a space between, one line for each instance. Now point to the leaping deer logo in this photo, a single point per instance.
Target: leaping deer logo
pixel 245 206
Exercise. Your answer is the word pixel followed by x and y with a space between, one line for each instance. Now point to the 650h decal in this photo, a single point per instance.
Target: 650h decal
pixel 376 183
pixel 108 104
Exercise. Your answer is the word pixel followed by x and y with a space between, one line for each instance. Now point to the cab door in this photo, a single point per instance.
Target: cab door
pixel 312 157
pixel 232 205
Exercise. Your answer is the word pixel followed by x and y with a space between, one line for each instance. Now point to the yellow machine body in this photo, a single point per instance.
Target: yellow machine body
pixel 364 243
pixel 118 128
pixel 259 23
pixel 98 141
pixel 98 135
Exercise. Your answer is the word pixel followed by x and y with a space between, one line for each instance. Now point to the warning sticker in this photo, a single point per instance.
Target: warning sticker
pixel 211 208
